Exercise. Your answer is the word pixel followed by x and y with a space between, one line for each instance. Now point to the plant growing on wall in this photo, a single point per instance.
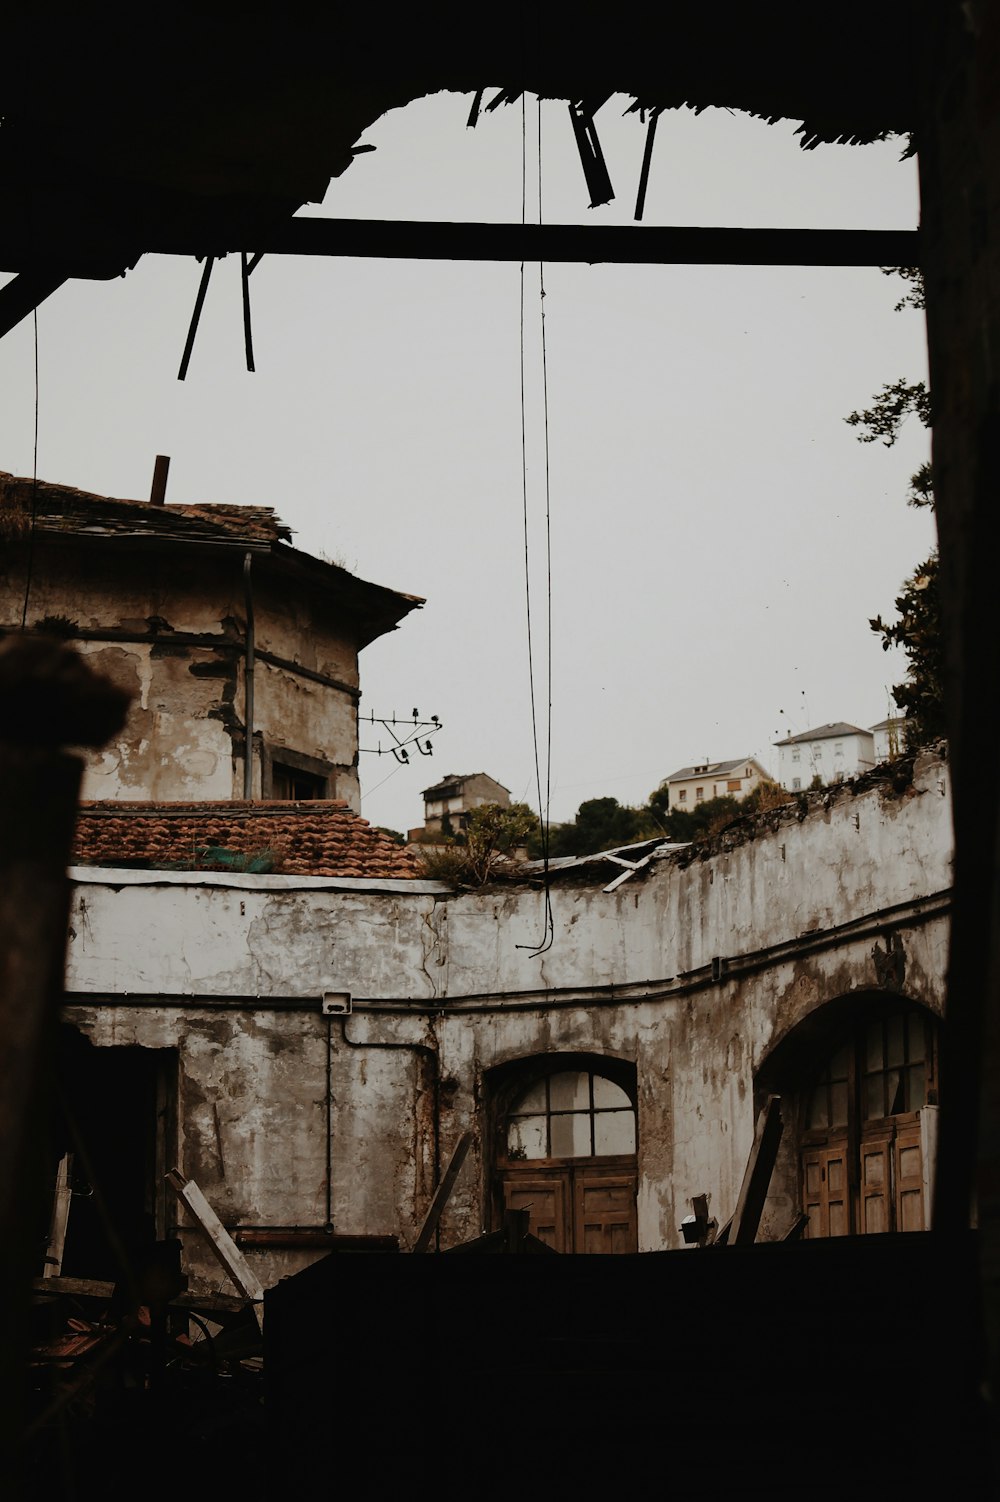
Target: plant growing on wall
pixel 492 837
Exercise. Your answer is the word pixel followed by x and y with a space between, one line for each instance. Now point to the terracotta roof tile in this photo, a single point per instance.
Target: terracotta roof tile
pixel 299 839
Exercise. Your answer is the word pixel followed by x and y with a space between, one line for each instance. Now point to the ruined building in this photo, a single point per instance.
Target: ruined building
pixel 310 1048
pixel 213 621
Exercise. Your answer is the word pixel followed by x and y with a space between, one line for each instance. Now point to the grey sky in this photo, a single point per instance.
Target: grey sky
pixel 720 538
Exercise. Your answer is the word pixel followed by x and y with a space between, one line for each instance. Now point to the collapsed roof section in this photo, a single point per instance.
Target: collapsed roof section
pixel 210 142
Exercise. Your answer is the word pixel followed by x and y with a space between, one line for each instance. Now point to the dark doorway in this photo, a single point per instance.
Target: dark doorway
pixel 112 1112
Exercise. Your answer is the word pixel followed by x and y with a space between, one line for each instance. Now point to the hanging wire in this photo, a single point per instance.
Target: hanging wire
pixel 34 494
pixel 543 802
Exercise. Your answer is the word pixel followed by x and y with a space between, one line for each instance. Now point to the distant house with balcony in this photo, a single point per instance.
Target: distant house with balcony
pixel 831 753
pixel 714 779
pixel 448 804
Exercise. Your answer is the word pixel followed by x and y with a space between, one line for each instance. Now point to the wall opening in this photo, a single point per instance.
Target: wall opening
pixel 563 1146
pixel 113 1111
pixel 859 1087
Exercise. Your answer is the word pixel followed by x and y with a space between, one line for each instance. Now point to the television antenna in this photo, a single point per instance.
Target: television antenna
pixel 402 732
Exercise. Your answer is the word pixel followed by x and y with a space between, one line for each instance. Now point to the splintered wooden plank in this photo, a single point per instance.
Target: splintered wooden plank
pixel 222 1244
pixel 760 1166
pixel 60 1218
pixel 444 1189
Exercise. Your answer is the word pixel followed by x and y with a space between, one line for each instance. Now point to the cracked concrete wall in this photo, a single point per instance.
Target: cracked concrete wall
pixel 846 901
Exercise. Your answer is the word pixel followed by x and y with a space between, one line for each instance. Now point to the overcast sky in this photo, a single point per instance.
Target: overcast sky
pixel 719 536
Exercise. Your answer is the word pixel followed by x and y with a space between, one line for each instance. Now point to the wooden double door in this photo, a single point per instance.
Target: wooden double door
pixel 577 1205
pixel 869 1187
pixel 865 1136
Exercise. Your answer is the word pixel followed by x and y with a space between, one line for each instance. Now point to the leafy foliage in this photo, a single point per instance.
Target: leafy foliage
pixel 491 838
pixel 600 824
pixel 918 631
pixel 883 420
pixel 916 297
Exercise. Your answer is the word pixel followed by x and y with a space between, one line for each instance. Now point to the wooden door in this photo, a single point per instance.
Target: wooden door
pixel 908 1179
pixel 875 1197
pixel 547 1194
pixel 826 1190
pixel 604 1212
pixel 580 1207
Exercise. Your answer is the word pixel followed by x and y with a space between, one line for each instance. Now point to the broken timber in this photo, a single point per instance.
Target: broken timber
pixel 586 244
pixel 222 1244
pixel 757 1176
pixel 443 1193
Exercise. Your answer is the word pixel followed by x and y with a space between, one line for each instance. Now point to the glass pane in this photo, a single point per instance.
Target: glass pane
pixel 916 1087
pixel 840 1062
pixel 917 1036
pixel 838 1104
pixel 533 1099
pixel 614 1132
pixel 894 1030
pixel 570 1136
pixel 607 1093
pixel 874 1096
pixel 526 1137
pixel 894 1092
pixel 569 1092
pixel 818 1115
pixel 873 1047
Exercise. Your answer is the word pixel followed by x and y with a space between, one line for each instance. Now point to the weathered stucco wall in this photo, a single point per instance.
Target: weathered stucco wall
pixel 693 974
pixel 170 627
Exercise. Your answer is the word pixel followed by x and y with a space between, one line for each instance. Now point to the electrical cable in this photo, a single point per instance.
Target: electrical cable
pixel 34 494
pixel 540 948
pixel 549 920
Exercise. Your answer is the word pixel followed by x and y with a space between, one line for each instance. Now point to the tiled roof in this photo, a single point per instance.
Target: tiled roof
pixel 61 508
pixel 316 838
pixel 710 769
pixel 823 733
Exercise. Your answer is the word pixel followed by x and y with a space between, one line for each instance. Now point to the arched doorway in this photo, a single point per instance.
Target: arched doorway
pixel 867 1125
pixel 565 1133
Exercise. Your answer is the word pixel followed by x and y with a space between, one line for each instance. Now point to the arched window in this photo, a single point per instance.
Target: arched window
pixel 574 1114
pixel 566 1151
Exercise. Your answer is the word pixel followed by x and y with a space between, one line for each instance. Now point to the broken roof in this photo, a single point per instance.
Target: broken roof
pixel 63 508
pixel 823 733
pixel 316 838
pixel 61 511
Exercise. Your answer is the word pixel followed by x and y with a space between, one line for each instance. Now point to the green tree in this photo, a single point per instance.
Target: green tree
pixel 600 824
pixel 918 631
pixel 492 837
pixel 918 628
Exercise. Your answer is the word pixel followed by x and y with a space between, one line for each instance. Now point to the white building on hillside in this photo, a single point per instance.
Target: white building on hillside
pixel 889 737
pixel 714 779
pixel 830 752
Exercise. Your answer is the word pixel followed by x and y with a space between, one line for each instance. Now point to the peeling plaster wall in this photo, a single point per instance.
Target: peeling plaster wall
pixel 169 625
pixel 807 912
